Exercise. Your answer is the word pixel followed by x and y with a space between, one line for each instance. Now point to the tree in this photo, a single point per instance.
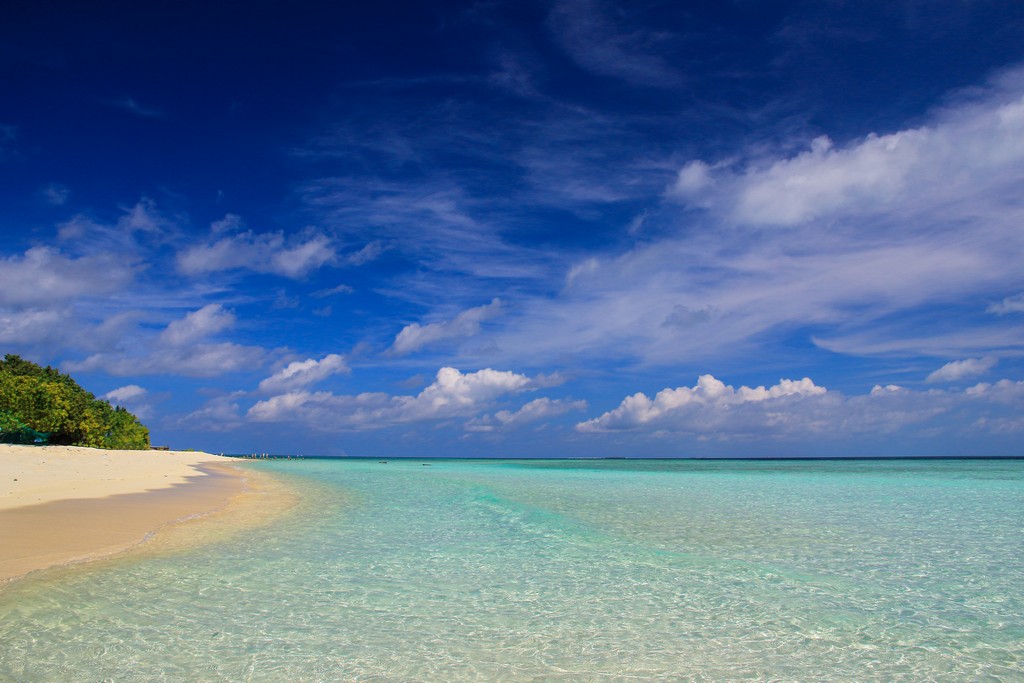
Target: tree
pixel 49 401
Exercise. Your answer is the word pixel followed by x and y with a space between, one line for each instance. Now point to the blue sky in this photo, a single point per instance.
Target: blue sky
pixel 565 228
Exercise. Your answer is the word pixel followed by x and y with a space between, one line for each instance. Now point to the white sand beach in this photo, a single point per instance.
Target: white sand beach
pixel 63 504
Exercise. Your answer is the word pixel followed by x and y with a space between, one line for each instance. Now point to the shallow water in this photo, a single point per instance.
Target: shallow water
pixel 564 570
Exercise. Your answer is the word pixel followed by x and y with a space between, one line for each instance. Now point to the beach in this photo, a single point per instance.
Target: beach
pixel 66 504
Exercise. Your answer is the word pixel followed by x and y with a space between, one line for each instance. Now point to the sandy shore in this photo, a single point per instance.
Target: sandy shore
pixel 63 504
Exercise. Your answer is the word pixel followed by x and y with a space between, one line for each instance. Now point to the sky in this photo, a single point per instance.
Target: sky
pixel 560 228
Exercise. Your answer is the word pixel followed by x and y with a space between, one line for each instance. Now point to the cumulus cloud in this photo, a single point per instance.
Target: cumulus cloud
pixel 414 337
pixel 452 394
pixel 712 410
pixel 260 252
pixel 303 373
pixel 960 369
pixel 709 394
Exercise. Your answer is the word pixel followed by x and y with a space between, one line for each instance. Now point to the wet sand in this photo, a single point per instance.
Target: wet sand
pixel 61 505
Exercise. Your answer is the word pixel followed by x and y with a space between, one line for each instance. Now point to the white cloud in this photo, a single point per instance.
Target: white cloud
pixel 1011 304
pixel 138 224
pixel 45 276
pixel 432 222
pixel 201 360
pixel 536 410
pixel 371 252
pixel 693 178
pixel 1003 391
pixel 709 393
pixel 219 414
pixel 303 373
pixel 260 252
pixel 125 394
pixel 879 235
pixel 196 325
pixel 133 398
pixel 143 217
pixel 587 267
pixel 801 410
pixel 179 350
pixel 959 369
pixel 414 337
pixel 340 289
pixel 452 394
pixel 30 326
pixel 977 145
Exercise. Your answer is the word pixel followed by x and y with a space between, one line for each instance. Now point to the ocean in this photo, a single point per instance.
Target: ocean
pixel 562 570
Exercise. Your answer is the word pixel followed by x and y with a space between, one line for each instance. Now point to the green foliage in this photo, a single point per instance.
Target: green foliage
pixel 13 430
pixel 47 400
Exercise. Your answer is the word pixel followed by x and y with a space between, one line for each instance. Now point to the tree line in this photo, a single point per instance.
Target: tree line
pixel 45 405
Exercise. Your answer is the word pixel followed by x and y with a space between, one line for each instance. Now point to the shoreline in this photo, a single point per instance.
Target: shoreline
pixel 64 505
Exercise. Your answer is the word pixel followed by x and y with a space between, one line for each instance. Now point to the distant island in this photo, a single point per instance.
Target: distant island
pixel 41 405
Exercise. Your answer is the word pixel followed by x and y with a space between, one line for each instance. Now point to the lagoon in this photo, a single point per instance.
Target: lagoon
pixel 562 570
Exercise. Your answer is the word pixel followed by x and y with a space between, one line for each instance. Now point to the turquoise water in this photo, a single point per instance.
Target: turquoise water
pixel 564 571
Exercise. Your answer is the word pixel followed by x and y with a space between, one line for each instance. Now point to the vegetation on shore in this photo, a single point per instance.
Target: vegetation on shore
pixel 40 404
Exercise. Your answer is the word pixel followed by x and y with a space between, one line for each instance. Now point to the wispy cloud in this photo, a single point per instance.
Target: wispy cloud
pixel 605 44
pixel 537 410
pixel 1011 304
pixel 196 325
pixel 299 374
pixel 961 369
pixel 181 348
pixel 292 257
pixel 340 289
pixel 838 241
pixel 131 105
pixel 415 336
pixel 56 194
pixel 43 275
pixel 219 414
